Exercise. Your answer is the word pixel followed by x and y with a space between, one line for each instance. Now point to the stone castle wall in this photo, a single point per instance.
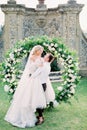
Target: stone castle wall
pixel 63 21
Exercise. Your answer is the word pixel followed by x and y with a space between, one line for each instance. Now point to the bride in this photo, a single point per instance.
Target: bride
pixel 29 94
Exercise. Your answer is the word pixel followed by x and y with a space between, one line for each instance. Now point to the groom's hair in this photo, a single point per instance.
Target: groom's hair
pixel 51 57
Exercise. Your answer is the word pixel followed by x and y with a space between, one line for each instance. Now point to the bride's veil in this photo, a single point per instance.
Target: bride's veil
pixel 25 76
pixel 29 60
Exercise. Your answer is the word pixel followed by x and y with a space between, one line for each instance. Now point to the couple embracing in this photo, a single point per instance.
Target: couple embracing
pixel 34 91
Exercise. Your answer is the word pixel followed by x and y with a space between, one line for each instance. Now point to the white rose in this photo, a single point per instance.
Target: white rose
pixel 20 49
pixel 13 68
pixel 58 54
pixel 60 97
pixel 25 51
pixel 50 48
pixel 72 71
pixel 65 82
pixel 4 80
pixel 8 70
pixel 18 60
pixel 70 61
pixel 8 64
pixel 52 44
pixel 21 71
pixel 72 90
pixel 55 103
pixel 18 53
pixel 14 61
pixel 53 49
pixel 74 86
pixel 61 59
pixel 69 95
pixel 8 59
pixel 60 49
pixel 77 64
pixel 65 51
pixel 69 70
pixel 74 76
pixel 13 76
pixel 6 88
pixel 13 72
pixel 69 57
pixel 60 88
pixel 73 79
pixel 16 50
pixel 11 55
pixel 47 45
pixel 15 83
pixel 62 63
pixel 19 76
pixel 68 80
pixel 9 75
pixel 56 45
pixel 11 90
pixel 7 79
pixel 70 75
pixel 6 76
pixel 12 80
pixel 70 65
pixel 68 85
pixel 55 52
pixel 63 55
pixel 44 44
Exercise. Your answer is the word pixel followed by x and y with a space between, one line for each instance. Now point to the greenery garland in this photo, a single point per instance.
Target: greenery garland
pixel 12 70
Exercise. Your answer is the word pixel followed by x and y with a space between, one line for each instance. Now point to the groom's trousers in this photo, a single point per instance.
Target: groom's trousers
pixel 44 86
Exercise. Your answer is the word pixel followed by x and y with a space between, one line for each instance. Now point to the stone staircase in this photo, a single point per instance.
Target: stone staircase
pixel 55 76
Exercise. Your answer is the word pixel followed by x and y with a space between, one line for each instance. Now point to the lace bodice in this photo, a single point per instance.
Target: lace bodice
pixel 34 65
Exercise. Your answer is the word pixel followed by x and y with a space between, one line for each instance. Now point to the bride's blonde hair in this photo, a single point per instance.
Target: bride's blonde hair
pixel 36 49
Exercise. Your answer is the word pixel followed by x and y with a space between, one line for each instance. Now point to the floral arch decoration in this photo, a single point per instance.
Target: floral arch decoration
pixel 12 71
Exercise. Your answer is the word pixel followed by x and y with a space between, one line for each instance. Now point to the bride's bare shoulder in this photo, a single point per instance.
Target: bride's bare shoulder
pixel 32 58
pixel 36 58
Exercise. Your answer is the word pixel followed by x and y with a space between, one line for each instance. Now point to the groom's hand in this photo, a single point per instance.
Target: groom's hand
pixel 30 75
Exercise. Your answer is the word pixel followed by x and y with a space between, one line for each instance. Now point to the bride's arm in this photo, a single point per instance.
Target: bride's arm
pixel 39 69
pixel 37 72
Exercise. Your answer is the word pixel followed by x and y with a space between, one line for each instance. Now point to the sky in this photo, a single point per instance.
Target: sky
pixel 51 4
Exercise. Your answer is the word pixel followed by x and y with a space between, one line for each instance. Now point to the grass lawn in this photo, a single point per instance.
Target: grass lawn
pixel 64 117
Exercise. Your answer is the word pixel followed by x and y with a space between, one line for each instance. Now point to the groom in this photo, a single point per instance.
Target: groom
pixel 43 72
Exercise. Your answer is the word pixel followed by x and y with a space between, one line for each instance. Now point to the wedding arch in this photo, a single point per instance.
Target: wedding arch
pixel 12 70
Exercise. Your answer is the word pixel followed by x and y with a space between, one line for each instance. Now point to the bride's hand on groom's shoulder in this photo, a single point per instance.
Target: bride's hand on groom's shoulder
pixel 41 65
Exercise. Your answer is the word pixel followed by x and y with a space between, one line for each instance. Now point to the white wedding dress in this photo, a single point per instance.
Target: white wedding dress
pixel 29 95
pixel 49 93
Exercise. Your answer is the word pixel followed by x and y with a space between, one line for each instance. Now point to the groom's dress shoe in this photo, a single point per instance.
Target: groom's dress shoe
pixel 40 120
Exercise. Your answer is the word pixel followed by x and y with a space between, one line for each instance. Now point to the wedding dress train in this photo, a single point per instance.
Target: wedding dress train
pixel 28 97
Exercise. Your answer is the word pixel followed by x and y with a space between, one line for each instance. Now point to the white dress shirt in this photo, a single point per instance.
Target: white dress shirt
pixel 43 72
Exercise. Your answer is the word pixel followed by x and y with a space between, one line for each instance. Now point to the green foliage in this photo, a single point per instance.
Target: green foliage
pixel 54 66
